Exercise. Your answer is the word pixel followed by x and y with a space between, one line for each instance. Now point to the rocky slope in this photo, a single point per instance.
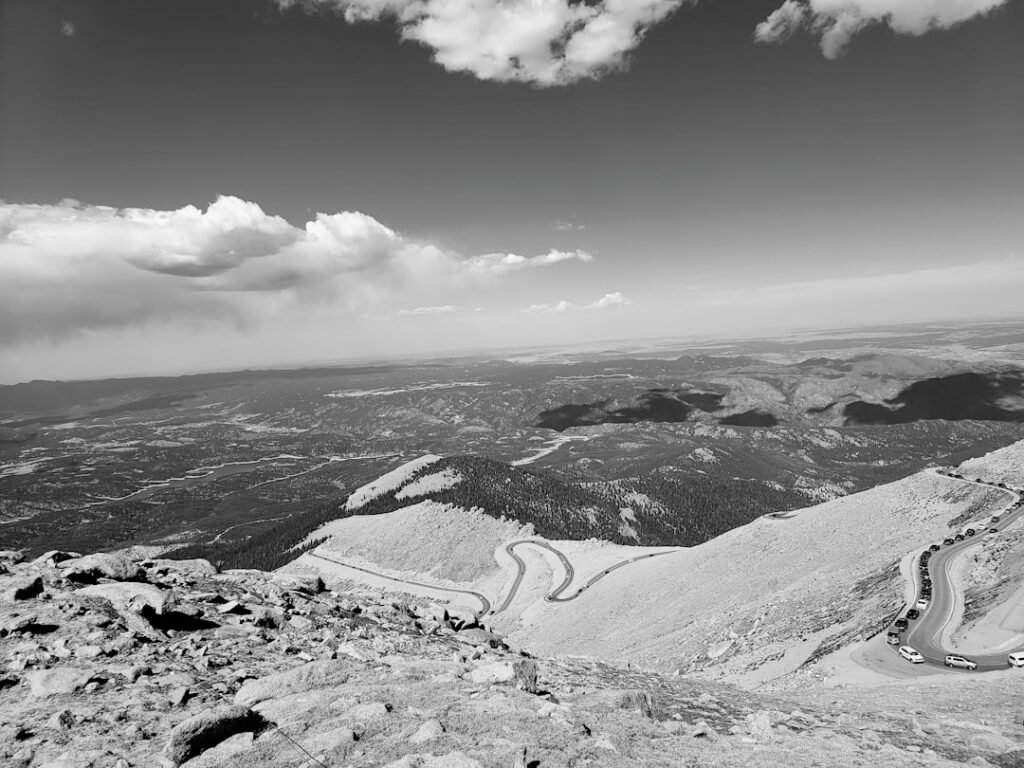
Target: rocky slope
pixel 113 663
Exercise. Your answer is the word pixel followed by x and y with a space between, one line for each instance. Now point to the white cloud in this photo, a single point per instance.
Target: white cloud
pixel 70 267
pixel 67 29
pixel 608 301
pixel 439 310
pixel 545 42
pixel 837 21
pixel 568 226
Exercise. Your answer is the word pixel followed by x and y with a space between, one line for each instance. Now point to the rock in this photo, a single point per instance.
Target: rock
pixel 759 725
pixel 428 731
pixel 23 588
pixel 18 622
pixel 451 760
pixel 642 701
pixel 328 740
pixel 310 584
pixel 519 758
pixel 217 756
pixel 368 712
pixel 54 556
pixel 316 674
pixel 92 567
pixel 232 606
pixel 991 742
pixel 61 721
pixel 88 651
pixel 209 728
pixel 58 681
pixel 301 623
pixel 132 596
pixel 526 675
pixel 11 557
pixel 478 636
pixel 178 696
pixel 196 567
pixel 495 672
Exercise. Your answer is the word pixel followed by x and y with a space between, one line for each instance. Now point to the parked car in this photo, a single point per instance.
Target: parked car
pixel 960 662
pixel 911 655
pixel 901 623
pixel 993 530
pixel 995 519
pixel 969 532
pixel 913 613
pixel 1016 659
pixel 947 542
pixel 959 537
pixel 893 637
pixel 934 548
pixel 921 604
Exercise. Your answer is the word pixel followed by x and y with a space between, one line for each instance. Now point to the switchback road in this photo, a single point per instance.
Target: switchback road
pixel 485 604
pixel 556 594
pixel 925 634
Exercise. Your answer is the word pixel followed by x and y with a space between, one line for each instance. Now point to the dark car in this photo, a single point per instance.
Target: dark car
pixel 934 548
pixel 969 532
pixel 901 623
pixel 993 530
pixel 947 542
pixel 959 537
pixel 913 613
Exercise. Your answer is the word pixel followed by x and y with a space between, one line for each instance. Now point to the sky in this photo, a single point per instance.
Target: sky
pixel 210 184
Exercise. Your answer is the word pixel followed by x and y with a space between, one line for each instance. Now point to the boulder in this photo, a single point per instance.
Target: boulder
pixel 495 672
pixel 368 712
pixel 477 636
pixel 11 557
pixel 53 557
pixel 207 729
pixel 57 681
pixel 316 674
pixel 18 622
pixel 132 596
pixel 428 731
pixel 310 584
pixel 23 588
pixel 110 566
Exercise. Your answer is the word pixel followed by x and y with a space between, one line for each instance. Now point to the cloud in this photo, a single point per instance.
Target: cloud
pixel 608 301
pixel 73 268
pixel 503 263
pixel 68 29
pixel 835 22
pixel 568 226
pixel 544 42
pixel 444 309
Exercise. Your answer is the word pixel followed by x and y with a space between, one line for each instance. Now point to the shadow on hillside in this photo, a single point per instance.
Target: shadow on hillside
pixel 963 396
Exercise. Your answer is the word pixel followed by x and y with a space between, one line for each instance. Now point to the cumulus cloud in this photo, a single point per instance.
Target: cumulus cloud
pixel 568 226
pixel 67 29
pixel 544 42
pixel 70 267
pixel 835 22
pixel 608 301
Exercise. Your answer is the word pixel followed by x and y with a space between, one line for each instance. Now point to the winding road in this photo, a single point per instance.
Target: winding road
pixel 555 595
pixel 484 602
pixel 925 634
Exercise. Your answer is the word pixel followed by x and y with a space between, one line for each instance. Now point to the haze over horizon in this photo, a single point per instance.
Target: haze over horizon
pixel 198 185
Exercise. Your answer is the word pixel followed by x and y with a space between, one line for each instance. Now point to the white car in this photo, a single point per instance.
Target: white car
pixel 1016 659
pixel 960 662
pixel 921 604
pixel 911 655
